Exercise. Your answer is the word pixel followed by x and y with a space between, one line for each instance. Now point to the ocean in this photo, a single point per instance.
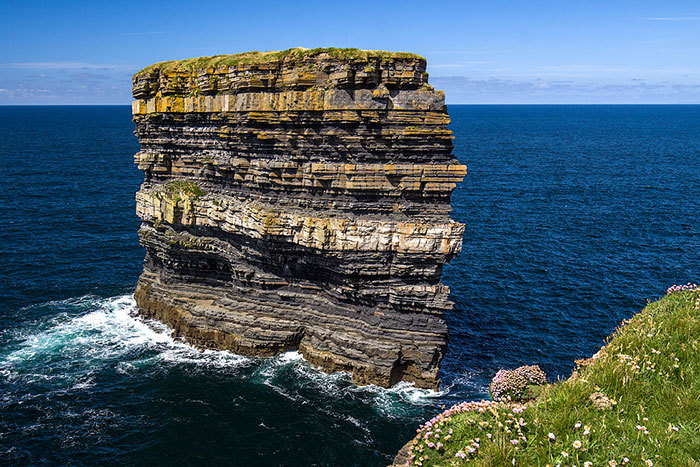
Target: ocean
pixel 575 217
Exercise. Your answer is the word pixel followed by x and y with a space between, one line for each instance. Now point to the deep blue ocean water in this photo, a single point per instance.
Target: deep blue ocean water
pixel 575 215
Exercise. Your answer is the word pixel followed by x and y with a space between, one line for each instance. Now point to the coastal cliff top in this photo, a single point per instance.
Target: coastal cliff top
pixel 295 69
pixel 297 54
pixel 635 402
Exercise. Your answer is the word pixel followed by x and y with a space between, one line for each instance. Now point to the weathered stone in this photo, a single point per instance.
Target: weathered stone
pixel 299 200
pixel 601 401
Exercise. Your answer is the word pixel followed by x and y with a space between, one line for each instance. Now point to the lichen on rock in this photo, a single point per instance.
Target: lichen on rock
pixel 299 200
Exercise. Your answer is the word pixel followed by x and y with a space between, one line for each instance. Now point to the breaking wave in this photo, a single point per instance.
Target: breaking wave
pixel 87 335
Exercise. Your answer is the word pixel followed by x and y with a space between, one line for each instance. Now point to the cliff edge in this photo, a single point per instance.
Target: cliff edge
pixel 635 402
pixel 299 200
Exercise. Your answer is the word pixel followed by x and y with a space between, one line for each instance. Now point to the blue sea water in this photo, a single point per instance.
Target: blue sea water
pixel 575 215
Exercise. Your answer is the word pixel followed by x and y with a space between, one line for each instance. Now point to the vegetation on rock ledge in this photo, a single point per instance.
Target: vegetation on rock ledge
pixel 635 403
pixel 295 54
pixel 182 189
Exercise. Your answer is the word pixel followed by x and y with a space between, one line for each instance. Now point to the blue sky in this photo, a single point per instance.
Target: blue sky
pixel 565 51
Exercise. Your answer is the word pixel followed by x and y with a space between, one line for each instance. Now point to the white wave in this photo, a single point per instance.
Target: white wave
pixel 111 334
pixel 107 331
pixel 417 396
pixel 390 401
pixel 292 356
pixel 180 352
pixel 326 382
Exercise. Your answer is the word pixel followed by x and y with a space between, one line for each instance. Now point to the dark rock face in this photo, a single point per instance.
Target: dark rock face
pixel 299 200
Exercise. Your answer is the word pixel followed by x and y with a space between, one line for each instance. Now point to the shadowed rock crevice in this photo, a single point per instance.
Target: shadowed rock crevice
pixel 299 200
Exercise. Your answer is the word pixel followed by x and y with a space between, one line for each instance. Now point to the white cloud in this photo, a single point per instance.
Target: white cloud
pixel 64 65
pixel 459 65
pixel 675 18
pixel 87 76
pixel 462 89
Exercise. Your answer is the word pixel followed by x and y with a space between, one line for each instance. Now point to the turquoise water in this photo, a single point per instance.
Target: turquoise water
pixel 576 215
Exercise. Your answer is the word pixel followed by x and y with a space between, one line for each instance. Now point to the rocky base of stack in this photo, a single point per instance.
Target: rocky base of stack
pixel 205 319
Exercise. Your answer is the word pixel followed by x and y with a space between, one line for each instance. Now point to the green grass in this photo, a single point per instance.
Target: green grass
pixel 295 54
pixel 181 189
pixel 650 373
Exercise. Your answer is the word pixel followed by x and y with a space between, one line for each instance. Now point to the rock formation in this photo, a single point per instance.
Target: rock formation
pixel 299 200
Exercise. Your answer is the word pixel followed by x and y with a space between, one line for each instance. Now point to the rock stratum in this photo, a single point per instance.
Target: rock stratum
pixel 299 200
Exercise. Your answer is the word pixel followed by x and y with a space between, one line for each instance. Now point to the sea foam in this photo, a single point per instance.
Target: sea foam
pixel 84 335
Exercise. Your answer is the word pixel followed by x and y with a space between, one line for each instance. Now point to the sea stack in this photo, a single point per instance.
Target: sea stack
pixel 299 200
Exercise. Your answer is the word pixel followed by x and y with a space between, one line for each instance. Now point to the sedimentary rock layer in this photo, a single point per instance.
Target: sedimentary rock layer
pixel 299 200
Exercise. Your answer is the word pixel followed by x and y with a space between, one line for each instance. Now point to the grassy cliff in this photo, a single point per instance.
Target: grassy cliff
pixel 637 402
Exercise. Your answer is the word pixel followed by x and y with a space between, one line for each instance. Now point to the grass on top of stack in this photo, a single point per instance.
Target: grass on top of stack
pixel 294 54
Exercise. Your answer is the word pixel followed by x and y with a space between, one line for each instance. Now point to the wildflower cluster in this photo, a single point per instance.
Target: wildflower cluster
pixel 515 385
pixel 655 363
pixel 578 446
pixel 434 431
pixel 581 448
pixel 492 421
pixel 631 362
pixel 683 288
pixel 510 424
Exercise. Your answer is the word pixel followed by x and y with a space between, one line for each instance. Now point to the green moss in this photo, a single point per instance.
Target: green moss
pixel 639 399
pixel 295 54
pixel 183 189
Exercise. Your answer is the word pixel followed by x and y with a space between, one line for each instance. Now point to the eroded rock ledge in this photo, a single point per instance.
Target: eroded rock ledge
pixel 299 200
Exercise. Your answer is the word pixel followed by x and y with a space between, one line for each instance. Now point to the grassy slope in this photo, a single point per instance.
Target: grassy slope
pixel 298 53
pixel 650 371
